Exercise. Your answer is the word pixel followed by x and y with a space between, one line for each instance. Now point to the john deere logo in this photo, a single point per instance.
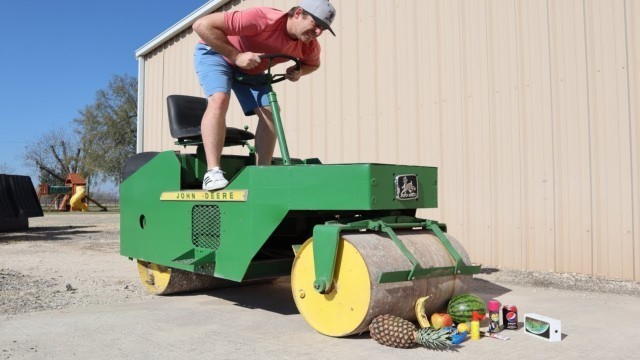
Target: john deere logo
pixel 406 187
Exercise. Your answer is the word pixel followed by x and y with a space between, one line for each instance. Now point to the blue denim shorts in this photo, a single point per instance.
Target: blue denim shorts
pixel 216 75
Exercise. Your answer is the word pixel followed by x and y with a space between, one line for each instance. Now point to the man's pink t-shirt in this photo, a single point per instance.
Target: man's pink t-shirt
pixel 264 30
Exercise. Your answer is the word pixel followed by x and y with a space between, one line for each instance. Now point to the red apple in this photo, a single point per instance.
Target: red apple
pixel 441 320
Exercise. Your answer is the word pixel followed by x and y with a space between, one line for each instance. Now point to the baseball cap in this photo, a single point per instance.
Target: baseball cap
pixel 321 11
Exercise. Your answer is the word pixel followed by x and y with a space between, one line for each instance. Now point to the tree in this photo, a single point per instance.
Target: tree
pixel 105 136
pixel 107 128
pixel 56 154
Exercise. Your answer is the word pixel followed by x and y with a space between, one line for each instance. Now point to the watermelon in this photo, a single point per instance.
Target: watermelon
pixel 463 305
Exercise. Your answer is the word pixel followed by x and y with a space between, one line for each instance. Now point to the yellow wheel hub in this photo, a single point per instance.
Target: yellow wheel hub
pixel 155 278
pixel 340 311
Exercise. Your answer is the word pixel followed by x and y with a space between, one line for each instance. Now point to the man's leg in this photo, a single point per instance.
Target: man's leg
pixel 265 136
pixel 213 127
pixel 214 75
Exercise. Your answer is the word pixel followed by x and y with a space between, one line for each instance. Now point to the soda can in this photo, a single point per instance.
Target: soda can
pixel 510 317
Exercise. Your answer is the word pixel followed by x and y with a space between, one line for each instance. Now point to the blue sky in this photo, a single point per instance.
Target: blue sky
pixel 57 54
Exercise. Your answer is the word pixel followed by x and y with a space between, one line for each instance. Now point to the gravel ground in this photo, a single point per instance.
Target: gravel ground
pixel 65 260
pixel 68 260
pixel 560 281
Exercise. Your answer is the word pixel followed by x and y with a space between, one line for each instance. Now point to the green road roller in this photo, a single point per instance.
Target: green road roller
pixel 347 235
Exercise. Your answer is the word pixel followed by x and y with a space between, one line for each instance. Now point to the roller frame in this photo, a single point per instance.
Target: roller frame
pixel 325 246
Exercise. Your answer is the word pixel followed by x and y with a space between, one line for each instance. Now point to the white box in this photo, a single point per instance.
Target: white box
pixel 542 327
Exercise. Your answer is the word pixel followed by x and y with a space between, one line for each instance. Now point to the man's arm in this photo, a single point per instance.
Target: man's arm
pixel 211 30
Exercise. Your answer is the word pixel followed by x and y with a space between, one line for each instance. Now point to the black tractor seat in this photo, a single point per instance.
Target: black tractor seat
pixel 185 116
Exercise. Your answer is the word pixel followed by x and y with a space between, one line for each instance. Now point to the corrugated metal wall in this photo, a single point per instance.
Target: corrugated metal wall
pixel 530 109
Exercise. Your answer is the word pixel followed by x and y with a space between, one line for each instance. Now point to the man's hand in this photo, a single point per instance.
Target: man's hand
pixel 247 60
pixel 293 74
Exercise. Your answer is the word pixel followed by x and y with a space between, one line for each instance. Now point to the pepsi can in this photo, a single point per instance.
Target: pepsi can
pixel 510 317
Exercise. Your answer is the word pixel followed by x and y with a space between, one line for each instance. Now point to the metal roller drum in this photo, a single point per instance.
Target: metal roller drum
pixel 356 296
pixel 163 280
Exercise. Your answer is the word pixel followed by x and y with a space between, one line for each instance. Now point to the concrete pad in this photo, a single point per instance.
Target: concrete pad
pixel 261 322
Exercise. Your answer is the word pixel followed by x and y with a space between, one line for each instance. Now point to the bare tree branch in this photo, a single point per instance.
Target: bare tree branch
pixel 57 157
pixel 77 161
pixel 50 171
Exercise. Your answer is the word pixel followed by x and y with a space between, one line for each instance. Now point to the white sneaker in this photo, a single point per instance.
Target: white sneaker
pixel 214 180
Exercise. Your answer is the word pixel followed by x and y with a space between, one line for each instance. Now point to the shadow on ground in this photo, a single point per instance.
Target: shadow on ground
pixel 273 296
pixel 485 289
pixel 50 233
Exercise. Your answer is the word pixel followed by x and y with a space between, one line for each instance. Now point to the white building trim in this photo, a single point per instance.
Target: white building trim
pixel 140 111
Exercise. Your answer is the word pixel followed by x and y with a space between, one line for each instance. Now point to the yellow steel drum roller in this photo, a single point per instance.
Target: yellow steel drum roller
pixel 356 297
pixel 163 280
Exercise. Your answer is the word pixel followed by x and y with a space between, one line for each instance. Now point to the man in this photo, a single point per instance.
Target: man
pixel 231 43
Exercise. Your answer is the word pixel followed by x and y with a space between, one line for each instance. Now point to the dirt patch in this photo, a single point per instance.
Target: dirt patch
pixel 65 260
pixel 24 292
pixel 560 281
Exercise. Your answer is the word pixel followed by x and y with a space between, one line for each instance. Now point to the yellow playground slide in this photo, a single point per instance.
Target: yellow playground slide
pixel 76 200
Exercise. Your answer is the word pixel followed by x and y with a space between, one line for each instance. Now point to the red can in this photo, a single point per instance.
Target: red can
pixel 510 317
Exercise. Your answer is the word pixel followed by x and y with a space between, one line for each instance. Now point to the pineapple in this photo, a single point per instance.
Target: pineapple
pixel 393 331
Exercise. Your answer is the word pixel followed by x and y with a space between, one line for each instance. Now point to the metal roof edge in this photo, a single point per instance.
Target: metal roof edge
pixel 179 26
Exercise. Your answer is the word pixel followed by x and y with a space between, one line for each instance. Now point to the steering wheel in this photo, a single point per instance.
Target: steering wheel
pixel 280 77
pixel 269 78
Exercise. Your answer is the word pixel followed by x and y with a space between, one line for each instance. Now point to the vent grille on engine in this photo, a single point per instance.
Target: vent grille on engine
pixel 205 226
